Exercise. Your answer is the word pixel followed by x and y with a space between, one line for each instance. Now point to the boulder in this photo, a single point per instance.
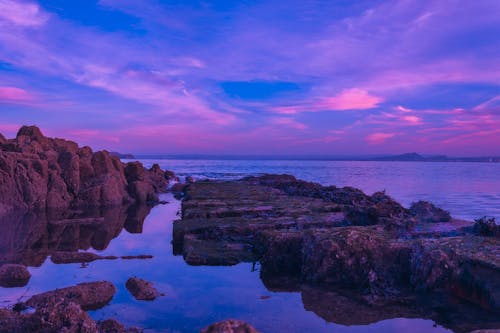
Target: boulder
pixel 89 295
pixel 141 289
pixel 426 212
pixel 12 275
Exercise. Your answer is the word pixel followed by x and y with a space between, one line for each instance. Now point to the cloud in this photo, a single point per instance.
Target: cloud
pixel 379 138
pixel 348 99
pixel 22 13
pixel 14 95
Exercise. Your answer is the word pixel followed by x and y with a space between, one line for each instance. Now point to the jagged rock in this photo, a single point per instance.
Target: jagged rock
pixel 229 326
pixel 89 295
pixel 426 212
pixel 41 173
pixel 141 289
pixel 12 275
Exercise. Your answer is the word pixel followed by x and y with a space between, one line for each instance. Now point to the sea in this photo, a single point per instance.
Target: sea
pixel 195 296
pixel 468 190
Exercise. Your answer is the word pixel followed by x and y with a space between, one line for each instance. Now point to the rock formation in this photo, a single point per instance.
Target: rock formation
pixel 39 173
pixel 312 235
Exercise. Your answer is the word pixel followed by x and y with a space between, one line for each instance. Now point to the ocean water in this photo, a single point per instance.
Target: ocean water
pixel 197 296
pixel 467 190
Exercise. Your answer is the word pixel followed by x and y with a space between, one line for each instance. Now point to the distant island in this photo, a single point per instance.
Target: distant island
pixel 407 157
pixel 414 157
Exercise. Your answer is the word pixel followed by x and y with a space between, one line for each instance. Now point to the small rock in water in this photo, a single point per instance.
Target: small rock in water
pixel 229 326
pixel 141 289
pixel 13 275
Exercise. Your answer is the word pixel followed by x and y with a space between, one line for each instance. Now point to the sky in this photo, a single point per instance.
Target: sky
pixel 317 77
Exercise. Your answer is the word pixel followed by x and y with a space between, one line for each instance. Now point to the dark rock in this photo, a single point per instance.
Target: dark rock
pixel 486 226
pixel 170 176
pixel 178 189
pixel 426 212
pixel 111 326
pixel 89 295
pixel 141 289
pixel 12 275
pixel 229 326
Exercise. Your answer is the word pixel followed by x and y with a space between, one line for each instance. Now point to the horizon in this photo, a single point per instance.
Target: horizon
pixel 216 78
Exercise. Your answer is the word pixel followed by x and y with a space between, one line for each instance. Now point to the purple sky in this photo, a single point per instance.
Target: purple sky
pixel 255 77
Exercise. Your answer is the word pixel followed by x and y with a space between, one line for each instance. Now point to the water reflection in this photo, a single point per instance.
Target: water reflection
pixel 28 238
pixel 195 296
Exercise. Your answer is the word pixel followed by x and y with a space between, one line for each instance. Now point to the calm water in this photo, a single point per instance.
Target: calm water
pixel 467 190
pixel 197 296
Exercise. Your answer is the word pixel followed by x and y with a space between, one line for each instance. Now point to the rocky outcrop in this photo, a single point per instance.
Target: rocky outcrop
pixel 229 326
pixel 141 289
pixel 12 275
pixel 39 173
pixel 306 234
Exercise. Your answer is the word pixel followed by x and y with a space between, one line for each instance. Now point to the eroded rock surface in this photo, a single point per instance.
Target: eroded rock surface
pixel 342 238
pixel 39 173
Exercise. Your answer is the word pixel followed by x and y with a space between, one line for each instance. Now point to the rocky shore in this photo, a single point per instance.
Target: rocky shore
pixel 374 253
pixel 344 251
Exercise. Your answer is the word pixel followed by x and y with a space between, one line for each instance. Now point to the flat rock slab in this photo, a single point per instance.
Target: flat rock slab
pixel 12 275
pixel 339 237
pixel 89 295
pixel 141 289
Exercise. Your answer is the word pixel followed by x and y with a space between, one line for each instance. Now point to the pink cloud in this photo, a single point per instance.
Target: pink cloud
pixel 21 13
pixel 14 95
pixel 378 138
pixel 347 99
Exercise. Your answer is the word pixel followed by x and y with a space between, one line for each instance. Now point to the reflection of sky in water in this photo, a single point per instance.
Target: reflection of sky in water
pixel 467 190
pixel 194 296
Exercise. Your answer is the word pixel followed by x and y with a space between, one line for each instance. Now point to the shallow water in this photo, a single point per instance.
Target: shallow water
pixel 194 296
pixel 197 296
